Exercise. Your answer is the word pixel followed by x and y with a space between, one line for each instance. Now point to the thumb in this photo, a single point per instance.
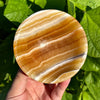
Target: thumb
pixel 59 90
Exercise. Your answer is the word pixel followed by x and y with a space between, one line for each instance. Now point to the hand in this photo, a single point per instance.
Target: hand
pixel 25 88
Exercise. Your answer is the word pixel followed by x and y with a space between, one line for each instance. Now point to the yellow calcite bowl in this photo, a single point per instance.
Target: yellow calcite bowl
pixel 50 46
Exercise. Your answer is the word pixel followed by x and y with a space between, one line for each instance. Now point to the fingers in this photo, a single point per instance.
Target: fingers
pixel 50 86
pixel 18 86
pixel 59 90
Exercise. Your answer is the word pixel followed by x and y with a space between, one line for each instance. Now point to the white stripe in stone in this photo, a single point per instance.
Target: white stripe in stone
pixel 37 23
pixel 79 64
pixel 38 77
pixel 30 19
pixel 47 43
pixel 62 74
pixel 31 70
pixel 35 30
pixel 58 55
pixel 32 36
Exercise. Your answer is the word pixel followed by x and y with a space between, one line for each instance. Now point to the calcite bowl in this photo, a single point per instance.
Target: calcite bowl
pixel 50 46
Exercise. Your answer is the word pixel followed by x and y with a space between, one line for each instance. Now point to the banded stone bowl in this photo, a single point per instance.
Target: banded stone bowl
pixel 50 46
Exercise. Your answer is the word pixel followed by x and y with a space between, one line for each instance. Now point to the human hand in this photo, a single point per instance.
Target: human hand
pixel 25 88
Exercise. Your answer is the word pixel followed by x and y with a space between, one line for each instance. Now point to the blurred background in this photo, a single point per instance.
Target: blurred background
pixel 85 85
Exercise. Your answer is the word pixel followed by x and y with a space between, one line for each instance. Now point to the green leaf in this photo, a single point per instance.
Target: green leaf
pixel 83 4
pixel 56 4
pixel 5 25
pixel 17 10
pixel 95 15
pixel 2 85
pixel 1 3
pixel 91 64
pixel 92 30
pixel 8 78
pixel 67 96
pixel 41 3
pixel 86 96
pixel 98 60
pixel 71 8
pixel 32 1
pixel 92 81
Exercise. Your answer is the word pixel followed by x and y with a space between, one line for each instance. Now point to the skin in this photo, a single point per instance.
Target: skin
pixel 25 88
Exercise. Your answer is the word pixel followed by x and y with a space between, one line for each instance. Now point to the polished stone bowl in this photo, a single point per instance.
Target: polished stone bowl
pixel 50 46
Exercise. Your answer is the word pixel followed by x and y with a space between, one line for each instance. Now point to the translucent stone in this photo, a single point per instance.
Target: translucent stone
pixel 50 46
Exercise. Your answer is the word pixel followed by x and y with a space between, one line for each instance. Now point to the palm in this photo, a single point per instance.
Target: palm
pixel 25 88
pixel 38 91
